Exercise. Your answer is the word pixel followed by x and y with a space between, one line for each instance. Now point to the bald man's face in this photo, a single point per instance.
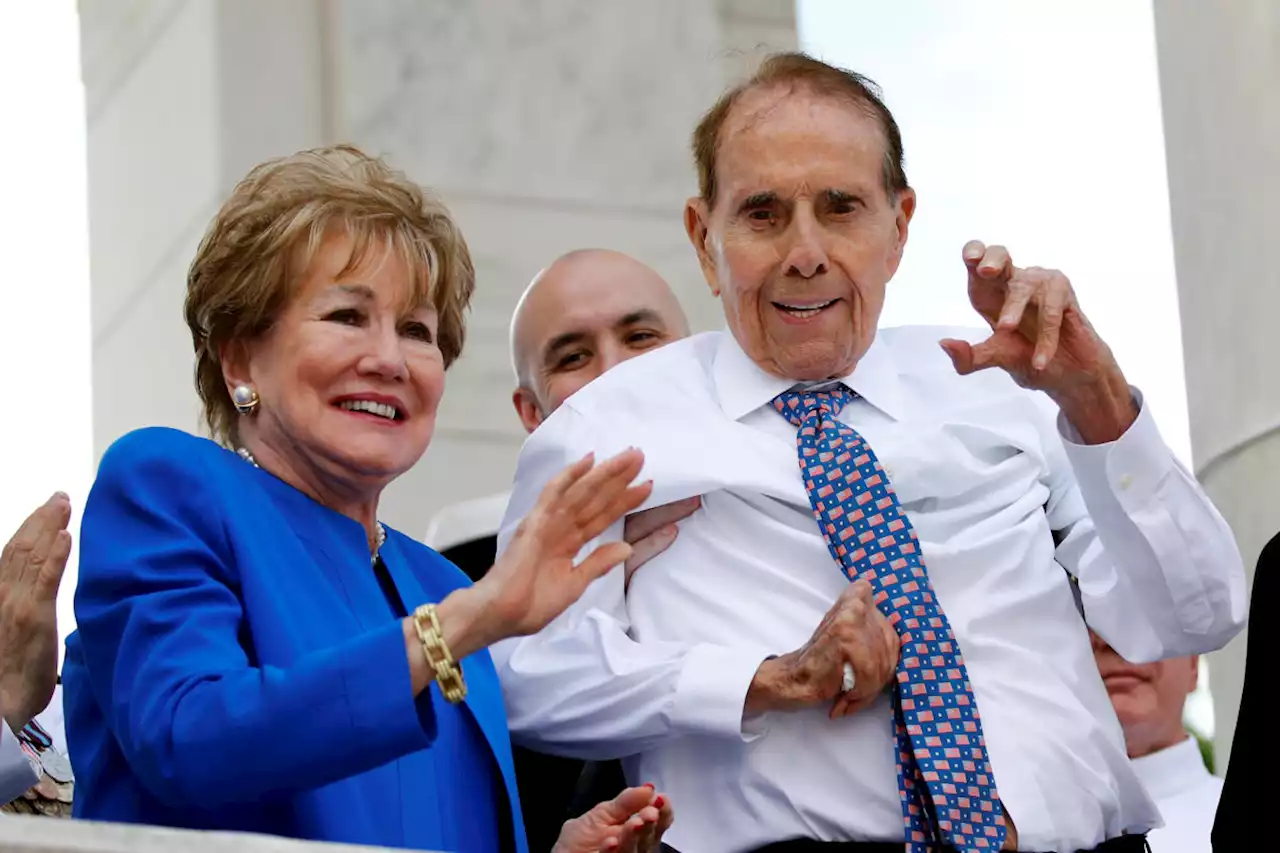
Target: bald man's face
pixel 584 317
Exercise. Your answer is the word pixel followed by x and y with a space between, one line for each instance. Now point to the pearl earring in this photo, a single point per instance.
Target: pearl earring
pixel 245 399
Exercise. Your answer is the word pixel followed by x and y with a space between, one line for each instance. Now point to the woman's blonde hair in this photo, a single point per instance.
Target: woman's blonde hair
pixel 269 231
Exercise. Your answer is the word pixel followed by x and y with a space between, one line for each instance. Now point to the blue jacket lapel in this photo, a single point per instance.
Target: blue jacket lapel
pixel 341 552
pixel 477 669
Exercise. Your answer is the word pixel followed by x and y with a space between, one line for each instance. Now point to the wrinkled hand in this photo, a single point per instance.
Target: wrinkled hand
pixel 536 578
pixel 632 822
pixel 1039 335
pixel 651 532
pixel 31 569
pixel 1042 339
pixel 854 631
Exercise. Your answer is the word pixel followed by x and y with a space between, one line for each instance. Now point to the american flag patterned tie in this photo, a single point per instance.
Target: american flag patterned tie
pixel 945 781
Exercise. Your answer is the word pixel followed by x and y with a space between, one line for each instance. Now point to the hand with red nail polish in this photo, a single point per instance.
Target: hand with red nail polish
pixel 632 822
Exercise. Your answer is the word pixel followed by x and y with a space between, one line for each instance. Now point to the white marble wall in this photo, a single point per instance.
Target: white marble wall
pixel 182 97
pixel 546 125
pixel 149 72
pixel 1220 73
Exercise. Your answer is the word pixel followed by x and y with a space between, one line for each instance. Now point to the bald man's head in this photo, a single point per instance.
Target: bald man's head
pixel 588 311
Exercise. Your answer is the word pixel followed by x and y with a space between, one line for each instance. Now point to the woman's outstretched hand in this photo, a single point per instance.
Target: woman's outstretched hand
pixel 632 822
pixel 536 578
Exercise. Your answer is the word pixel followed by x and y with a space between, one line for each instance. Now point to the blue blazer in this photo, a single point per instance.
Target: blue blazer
pixel 237 666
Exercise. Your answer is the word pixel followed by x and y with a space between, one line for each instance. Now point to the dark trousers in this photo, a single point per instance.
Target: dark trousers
pixel 1123 844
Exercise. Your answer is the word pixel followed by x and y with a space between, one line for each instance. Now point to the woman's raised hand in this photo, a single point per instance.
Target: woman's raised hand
pixel 536 578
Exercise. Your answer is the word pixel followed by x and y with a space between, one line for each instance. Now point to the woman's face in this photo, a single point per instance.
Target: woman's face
pixel 349 376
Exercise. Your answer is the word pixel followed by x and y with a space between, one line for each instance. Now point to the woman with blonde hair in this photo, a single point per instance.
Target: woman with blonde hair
pixel 256 651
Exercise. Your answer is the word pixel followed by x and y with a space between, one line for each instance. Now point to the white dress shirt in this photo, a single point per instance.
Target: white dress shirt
pixel 661 672
pixel 1187 794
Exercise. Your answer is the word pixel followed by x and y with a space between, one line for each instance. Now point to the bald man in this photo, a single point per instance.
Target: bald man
pixel 587 312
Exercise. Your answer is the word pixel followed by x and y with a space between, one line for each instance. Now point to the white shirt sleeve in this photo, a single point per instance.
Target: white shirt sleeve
pixel 16 773
pixel 1158 568
pixel 583 687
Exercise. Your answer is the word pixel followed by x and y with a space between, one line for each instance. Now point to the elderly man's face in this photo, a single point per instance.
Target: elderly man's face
pixel 1148 697
pixel 802 236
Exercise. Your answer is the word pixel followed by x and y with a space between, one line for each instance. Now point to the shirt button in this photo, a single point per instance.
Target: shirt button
pixel 1125 482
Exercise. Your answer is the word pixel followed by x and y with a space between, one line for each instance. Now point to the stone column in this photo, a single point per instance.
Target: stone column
pixel 545 125
pixel 1219 77
pixel 182 98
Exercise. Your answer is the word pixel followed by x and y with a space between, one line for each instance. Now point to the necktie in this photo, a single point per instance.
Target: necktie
pixel 944 778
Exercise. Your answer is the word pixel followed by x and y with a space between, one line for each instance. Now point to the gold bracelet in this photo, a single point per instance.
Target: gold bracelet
pixel 448 673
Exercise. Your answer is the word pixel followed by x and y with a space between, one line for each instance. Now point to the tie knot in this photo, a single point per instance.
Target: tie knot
pixel 795 406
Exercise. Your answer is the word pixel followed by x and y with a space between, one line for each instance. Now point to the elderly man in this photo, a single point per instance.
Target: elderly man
pixel 31 569
pixel 1149 700
pixel 793 683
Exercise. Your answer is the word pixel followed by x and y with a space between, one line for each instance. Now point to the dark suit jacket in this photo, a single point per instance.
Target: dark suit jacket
pixel 1255 750
pixel 238 667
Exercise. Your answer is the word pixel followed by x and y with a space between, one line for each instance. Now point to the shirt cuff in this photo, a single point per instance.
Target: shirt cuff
pixel 16 772
pixel 711 694
pixel 1131 467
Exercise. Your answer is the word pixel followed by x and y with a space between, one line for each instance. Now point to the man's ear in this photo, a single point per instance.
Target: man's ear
pixel 905 209
pixel 527 409
pixel 697 224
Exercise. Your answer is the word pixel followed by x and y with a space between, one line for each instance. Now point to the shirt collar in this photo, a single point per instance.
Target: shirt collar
pixel 1172 770
pixel 744 387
